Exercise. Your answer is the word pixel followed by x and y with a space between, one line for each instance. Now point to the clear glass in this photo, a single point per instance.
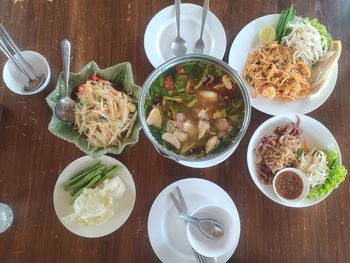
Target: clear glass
pixel 6 217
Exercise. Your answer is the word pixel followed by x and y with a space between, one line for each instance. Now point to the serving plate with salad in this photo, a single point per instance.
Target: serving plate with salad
pixel 295 141
pixel 94 197
pixel 288 63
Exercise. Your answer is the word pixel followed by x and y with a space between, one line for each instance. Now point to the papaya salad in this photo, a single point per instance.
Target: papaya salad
pixel 286 148
pixel 294 60
pixel 103 114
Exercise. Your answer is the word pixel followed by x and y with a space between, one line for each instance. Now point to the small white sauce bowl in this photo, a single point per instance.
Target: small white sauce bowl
pixel 15 80
pixel 206 246
pixel 304 179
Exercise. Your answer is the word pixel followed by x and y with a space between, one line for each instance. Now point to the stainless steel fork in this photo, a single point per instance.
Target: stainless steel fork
pixel 182 208
pixel 199 46
pixel 9 48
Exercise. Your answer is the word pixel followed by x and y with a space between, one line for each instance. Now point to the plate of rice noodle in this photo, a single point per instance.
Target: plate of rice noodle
pixel 300 142
pixel 106 110
pixel 288 63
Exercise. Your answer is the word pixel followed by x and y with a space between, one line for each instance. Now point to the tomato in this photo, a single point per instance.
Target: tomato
pixel 180 69
pixel 95 78
pixel 81 88
pixel 190 90
pixel 169 83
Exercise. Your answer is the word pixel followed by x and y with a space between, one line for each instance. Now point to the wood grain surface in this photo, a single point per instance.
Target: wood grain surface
pixel 109 32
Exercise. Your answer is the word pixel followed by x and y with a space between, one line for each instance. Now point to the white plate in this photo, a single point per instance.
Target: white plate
pixel 122 207
pixel 161 31
pixel 313 132
pixel 245 43
pixel 15 80
pixel 167 233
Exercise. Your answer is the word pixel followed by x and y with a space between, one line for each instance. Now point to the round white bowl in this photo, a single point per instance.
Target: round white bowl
pixel 302 177
pixel 15 80
pixel 206 246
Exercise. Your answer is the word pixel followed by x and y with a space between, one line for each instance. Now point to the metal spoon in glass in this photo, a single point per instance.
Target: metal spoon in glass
pixel 64 108
pixel 209 227
pixel 178 45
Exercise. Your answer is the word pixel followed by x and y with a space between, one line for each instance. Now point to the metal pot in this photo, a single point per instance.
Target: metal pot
pixel 195 162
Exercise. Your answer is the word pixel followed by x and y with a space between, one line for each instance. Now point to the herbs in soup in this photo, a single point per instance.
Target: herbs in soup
pixel 194 109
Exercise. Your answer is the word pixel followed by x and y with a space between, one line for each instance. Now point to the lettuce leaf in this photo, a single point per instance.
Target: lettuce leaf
pixel 337 174
pixel 322 29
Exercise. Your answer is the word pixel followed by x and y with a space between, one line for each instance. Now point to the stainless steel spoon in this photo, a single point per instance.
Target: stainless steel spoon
pixel 209 227
pixel 9 48
pixel 64 108
pixel 178 45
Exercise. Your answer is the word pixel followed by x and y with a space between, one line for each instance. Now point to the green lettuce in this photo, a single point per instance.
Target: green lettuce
pixel 337 174
pixel 322 29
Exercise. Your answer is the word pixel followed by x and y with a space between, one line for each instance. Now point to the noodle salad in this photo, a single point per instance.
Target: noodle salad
pixel 284 148
pixel 103 114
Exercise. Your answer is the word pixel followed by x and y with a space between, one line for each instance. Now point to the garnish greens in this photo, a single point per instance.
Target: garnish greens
pixel 337 174
pixel 285 18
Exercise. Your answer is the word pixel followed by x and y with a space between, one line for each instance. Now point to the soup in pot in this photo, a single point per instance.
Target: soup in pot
pixel 194 109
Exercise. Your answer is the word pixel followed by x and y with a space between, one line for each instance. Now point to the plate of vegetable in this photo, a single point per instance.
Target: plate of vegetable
pixel 299 142
pixel 288 63
pixel 94 197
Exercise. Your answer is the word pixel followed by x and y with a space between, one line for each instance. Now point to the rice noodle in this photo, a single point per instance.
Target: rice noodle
pixel 314 165
pixel 310 45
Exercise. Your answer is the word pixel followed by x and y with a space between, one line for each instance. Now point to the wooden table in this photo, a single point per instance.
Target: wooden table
pixel 109 32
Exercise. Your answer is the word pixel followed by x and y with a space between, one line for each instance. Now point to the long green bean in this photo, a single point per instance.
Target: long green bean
pixel 82 175
pixel 112 171
pixel 84 180
pixel 87 168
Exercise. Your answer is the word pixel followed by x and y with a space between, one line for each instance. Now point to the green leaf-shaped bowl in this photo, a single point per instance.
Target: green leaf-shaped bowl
pixel 120 76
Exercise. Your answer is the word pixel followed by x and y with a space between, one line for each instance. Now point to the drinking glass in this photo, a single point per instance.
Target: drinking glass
pixel 6 217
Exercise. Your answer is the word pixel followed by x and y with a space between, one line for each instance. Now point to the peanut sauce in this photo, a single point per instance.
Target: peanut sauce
pixel 289 185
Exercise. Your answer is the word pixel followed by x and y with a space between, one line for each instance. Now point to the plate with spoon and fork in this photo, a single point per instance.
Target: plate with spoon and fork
pixel 162 30
pixel 167 231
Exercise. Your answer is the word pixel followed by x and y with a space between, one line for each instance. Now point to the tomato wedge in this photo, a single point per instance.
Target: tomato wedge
pixel 95 78
pixel 169 83
pixel 180 69
pixel 81 88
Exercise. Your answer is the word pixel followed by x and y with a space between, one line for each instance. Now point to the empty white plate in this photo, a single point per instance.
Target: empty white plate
pixel 161 31
pixel 167 233
pixel 122 206
pixel 245 43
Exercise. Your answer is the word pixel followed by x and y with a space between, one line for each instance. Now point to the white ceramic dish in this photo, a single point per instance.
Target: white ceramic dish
pixel 313 132
pixel 246 42
pixel 305 183
pixel 206 246
pixel 167 233
pixel 122 207
pixel 15 80
pixel 161 30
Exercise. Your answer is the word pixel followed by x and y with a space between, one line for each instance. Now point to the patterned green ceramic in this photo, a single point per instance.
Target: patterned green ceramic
pixel 121 76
